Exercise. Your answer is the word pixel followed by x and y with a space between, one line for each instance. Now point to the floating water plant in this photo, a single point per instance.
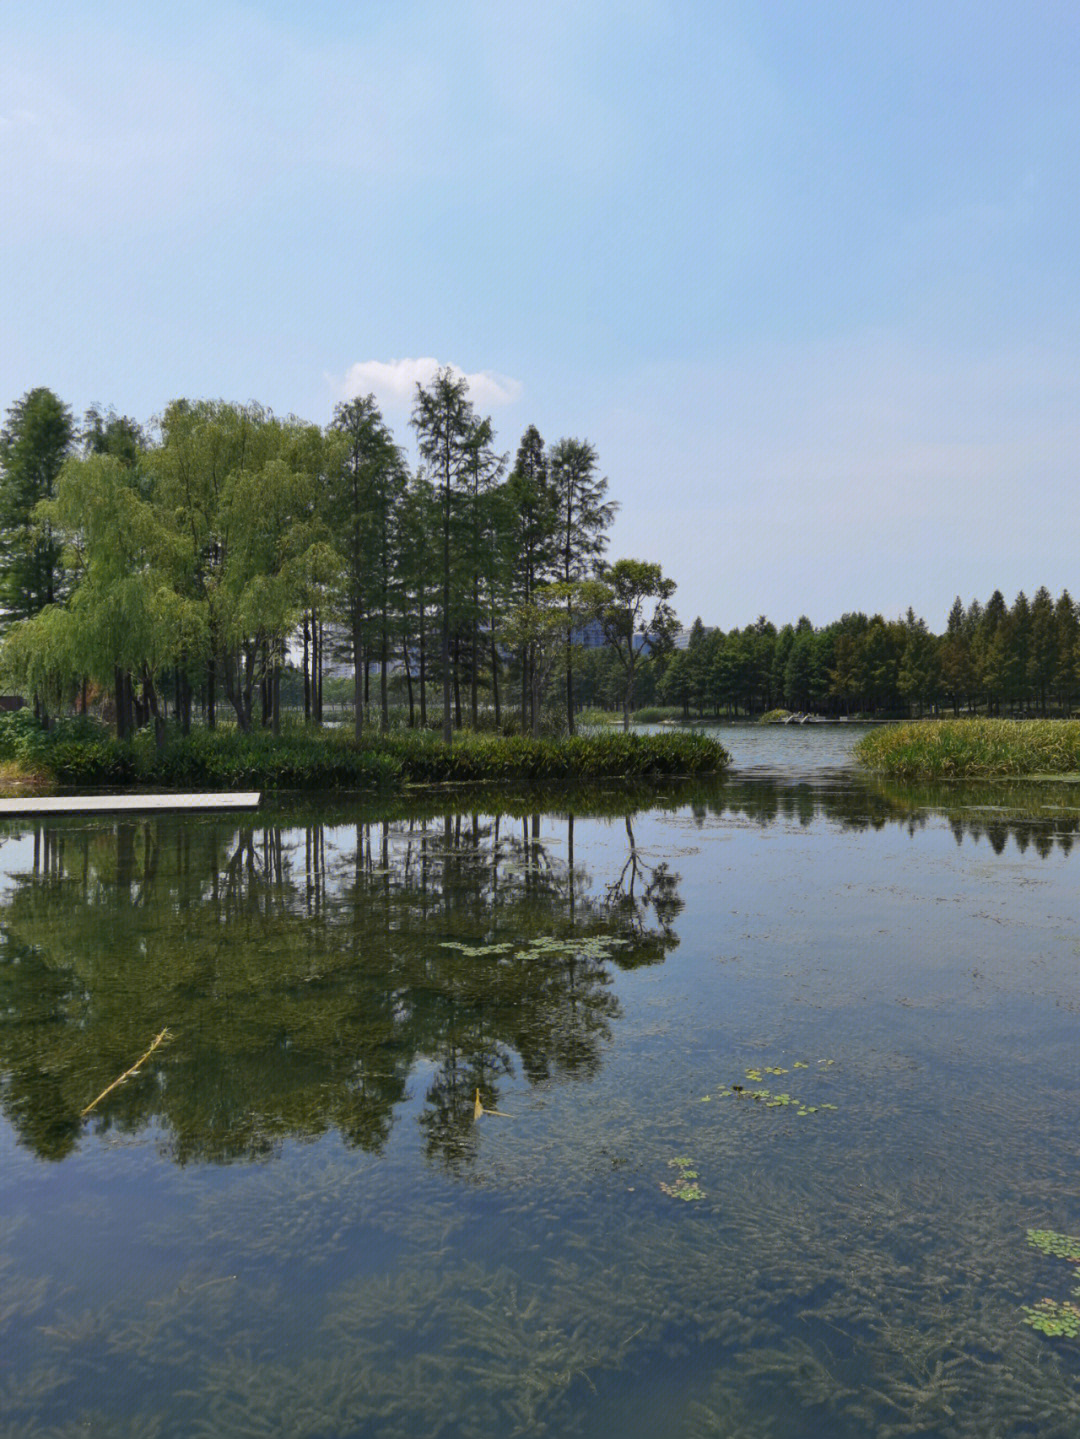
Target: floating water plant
pixel 1058 1246
pixel 476 950
pixel 771 1100
pixel 684 1186
pixel 1053 1318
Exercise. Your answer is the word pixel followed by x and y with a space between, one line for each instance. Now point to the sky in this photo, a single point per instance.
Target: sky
pixel 804 273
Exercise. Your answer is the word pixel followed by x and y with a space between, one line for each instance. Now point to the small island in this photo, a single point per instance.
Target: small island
pixel 225 598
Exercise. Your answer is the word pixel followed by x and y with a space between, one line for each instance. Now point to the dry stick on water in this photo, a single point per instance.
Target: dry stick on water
pixel 159 1039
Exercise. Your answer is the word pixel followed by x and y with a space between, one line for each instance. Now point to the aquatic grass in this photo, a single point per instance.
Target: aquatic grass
pixel 972 748
pixel 18 776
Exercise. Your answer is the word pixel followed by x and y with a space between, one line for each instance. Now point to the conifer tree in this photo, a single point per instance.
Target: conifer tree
pixel 34 444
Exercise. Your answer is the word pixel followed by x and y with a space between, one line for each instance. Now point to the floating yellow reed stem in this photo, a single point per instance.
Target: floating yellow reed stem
pixel 478 1110
pixel 159 1039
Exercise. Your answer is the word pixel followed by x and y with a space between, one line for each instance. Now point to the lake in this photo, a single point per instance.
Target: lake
pixel 746 1107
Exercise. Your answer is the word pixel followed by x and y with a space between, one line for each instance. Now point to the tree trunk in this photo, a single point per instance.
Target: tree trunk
pixel 358 677
pixel 307 673
pixel 569 683
pixel 184 697
pixel 423 672
pixel 150 698
pixel 474 697
pixel 457 682
pixel 408 677
pixel 384 697
pixel 495 679
pixel 447 731
pixel 118 704
pixel 317 668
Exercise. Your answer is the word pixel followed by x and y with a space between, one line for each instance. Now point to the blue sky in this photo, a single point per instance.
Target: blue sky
pixel 805 273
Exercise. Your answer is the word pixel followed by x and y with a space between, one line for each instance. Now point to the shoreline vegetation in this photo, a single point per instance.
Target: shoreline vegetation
pixel 83 753
pixel 974 749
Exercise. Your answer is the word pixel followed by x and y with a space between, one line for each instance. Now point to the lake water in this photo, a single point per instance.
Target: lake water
pixel 786 1072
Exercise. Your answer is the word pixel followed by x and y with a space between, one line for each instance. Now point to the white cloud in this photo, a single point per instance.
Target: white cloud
pixel 394 382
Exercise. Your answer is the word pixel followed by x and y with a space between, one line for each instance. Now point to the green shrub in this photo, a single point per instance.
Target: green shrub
pixel 654 714
pixel 84 753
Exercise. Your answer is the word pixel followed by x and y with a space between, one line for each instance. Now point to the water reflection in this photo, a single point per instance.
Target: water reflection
pixel 311 969
pixel 306 971
pixel 1044 816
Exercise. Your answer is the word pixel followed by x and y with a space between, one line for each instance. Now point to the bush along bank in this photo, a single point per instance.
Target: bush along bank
pixel 970 748
pixel 82 753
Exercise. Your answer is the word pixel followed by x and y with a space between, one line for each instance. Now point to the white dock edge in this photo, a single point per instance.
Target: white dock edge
pixel 126 803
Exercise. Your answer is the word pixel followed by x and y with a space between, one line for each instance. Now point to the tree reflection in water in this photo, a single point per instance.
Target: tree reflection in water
pixel 306 971
pixel 304 965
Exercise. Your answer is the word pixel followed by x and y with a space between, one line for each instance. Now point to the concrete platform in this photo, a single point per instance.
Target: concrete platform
pixel 125 803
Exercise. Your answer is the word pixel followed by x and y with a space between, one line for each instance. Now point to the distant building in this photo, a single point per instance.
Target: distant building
pixel 682 637
pixel 590 636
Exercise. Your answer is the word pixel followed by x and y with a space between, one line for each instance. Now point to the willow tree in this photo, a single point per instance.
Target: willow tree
pixel 127 618
pixel 241 485
pixel 275 551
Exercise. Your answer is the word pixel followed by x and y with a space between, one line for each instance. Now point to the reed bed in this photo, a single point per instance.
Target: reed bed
pixel 972 748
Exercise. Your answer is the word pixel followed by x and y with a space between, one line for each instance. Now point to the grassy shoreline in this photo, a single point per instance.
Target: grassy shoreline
pixel 974 749
pixel 81 754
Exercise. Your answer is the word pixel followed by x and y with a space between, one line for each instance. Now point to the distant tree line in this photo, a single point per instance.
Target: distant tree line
pixel 993 658
pixel 196 562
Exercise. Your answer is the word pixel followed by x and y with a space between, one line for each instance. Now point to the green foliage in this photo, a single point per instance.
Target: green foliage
pixel 943 749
